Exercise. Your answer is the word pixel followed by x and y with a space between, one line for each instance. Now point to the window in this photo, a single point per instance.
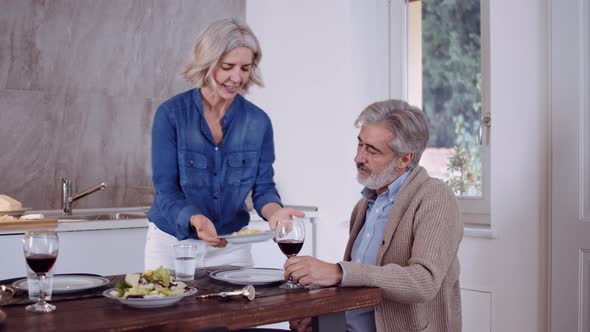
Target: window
pixel 447 78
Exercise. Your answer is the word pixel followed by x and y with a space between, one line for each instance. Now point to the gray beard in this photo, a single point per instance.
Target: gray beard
pixel 379 180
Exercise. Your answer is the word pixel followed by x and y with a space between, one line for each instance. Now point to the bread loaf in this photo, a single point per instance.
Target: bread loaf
pixel 9 204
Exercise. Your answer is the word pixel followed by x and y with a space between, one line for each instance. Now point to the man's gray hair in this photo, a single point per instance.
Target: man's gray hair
pixel 219 38
pixel 407 123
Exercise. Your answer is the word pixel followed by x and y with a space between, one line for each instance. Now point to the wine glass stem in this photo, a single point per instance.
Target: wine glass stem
pixel 290 280
pixel 42 289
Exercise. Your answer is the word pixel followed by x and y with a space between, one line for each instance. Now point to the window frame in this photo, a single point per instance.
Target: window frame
pixel 474 210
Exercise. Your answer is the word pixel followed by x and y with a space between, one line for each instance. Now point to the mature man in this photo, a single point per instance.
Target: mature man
pixel 404 232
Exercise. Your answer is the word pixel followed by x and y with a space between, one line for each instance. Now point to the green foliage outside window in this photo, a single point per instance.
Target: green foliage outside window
pixel 464 163
pixel 451 77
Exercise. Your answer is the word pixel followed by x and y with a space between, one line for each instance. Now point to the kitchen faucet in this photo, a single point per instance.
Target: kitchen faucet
pixel 67 198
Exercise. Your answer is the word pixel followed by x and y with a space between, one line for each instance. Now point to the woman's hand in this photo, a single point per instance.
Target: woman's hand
pixel 282 214
pixel 206 231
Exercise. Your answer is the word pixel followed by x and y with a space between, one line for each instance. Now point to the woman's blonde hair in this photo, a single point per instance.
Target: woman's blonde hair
pixel 213 43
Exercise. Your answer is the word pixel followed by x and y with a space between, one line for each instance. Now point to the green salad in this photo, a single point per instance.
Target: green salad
pixel 149 284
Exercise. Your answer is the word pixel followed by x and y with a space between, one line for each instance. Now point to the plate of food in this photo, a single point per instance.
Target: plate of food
pixel 249 235
pixel 11 207
pixel 150 289
pixel 14 213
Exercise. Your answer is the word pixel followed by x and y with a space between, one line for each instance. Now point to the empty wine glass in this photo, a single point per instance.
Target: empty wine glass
pixel 40 248
pixel 289 235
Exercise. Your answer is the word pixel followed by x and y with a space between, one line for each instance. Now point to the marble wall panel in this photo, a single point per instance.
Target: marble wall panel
pixel 87 138
pixel 79 84
pixel 128 48
pixel 16 37
pixel 108 141
pixel 28 147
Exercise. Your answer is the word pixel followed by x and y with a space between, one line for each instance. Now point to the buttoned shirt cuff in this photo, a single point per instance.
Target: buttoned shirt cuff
pixel 184 229
pixel 262 201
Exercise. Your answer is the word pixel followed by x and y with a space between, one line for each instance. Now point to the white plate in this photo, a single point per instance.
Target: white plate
pixel 152 302
pixel 14 213
pixel 70 283
pixel 249 238
pixel 249 276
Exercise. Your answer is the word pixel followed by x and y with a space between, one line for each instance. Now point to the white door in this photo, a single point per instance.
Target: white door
pixel 570 180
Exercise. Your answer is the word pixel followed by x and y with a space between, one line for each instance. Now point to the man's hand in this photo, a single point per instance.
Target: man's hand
pixel 303 325
pixel 309 270
pixel 282 214
pixel 206 231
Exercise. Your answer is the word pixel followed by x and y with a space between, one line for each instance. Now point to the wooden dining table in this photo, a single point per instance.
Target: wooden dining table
pixel 93 312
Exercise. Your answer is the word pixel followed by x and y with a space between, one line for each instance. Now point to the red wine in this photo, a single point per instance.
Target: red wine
pixel 41 263
pixel 290 247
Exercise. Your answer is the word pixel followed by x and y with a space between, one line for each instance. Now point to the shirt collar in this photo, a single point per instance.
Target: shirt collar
pixel 231 111
pixel 392 189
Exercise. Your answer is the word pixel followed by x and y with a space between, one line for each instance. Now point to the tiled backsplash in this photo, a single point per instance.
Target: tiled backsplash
pixel 79 84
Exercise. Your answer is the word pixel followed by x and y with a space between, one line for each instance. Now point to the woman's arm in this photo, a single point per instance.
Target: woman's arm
pixel 264 190
pixel 273 212
pixel 264 194
pixel 165 175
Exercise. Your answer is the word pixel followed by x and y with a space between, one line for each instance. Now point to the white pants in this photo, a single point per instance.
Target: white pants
pixel 159 251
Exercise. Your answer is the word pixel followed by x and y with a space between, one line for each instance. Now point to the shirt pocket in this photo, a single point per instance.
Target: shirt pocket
pixel 242 168
pixel 193 169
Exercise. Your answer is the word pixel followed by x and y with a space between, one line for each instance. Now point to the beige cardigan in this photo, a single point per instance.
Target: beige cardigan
pixel 417 265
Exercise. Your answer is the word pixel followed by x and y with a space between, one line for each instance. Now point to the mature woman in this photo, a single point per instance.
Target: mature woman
pixel 210 148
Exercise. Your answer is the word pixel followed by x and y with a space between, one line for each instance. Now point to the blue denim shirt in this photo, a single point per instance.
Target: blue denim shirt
pixel 193 175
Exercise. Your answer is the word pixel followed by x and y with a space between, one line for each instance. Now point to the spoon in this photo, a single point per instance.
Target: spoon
pixel 247 291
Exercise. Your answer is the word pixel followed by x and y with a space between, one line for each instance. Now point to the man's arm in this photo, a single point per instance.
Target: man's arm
pixel 437 232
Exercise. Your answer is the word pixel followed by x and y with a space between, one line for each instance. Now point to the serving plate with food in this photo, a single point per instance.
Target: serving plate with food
pixel 11 207
pixel 249 235
pixel 150 289
pixel 12 216
pixel 13 223
pixel 14 213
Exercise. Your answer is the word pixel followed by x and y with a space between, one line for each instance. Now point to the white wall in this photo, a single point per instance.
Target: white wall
pixel 513 266
pixel 323 62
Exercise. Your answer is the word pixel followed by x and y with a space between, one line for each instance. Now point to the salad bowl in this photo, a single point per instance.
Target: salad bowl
pixel 148 301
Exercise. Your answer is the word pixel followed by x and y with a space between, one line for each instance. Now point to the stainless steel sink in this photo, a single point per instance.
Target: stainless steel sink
pixel 99 216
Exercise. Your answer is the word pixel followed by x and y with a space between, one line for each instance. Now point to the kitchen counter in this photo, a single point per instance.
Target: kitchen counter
pixel 117 246
pixel 311 212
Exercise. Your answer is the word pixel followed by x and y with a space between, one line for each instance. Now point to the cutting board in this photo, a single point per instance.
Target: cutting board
pixel 28 224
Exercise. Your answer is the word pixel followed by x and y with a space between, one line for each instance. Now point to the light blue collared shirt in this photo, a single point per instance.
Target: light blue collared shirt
pixel 367 244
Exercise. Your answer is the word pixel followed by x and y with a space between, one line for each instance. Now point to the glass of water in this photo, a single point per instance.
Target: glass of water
pixel 185 261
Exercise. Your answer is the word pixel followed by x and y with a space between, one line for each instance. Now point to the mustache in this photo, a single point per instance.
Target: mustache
pixel 362 167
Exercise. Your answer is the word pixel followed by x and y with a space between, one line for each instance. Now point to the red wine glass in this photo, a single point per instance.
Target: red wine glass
pixel 289 235
pixel 40 248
